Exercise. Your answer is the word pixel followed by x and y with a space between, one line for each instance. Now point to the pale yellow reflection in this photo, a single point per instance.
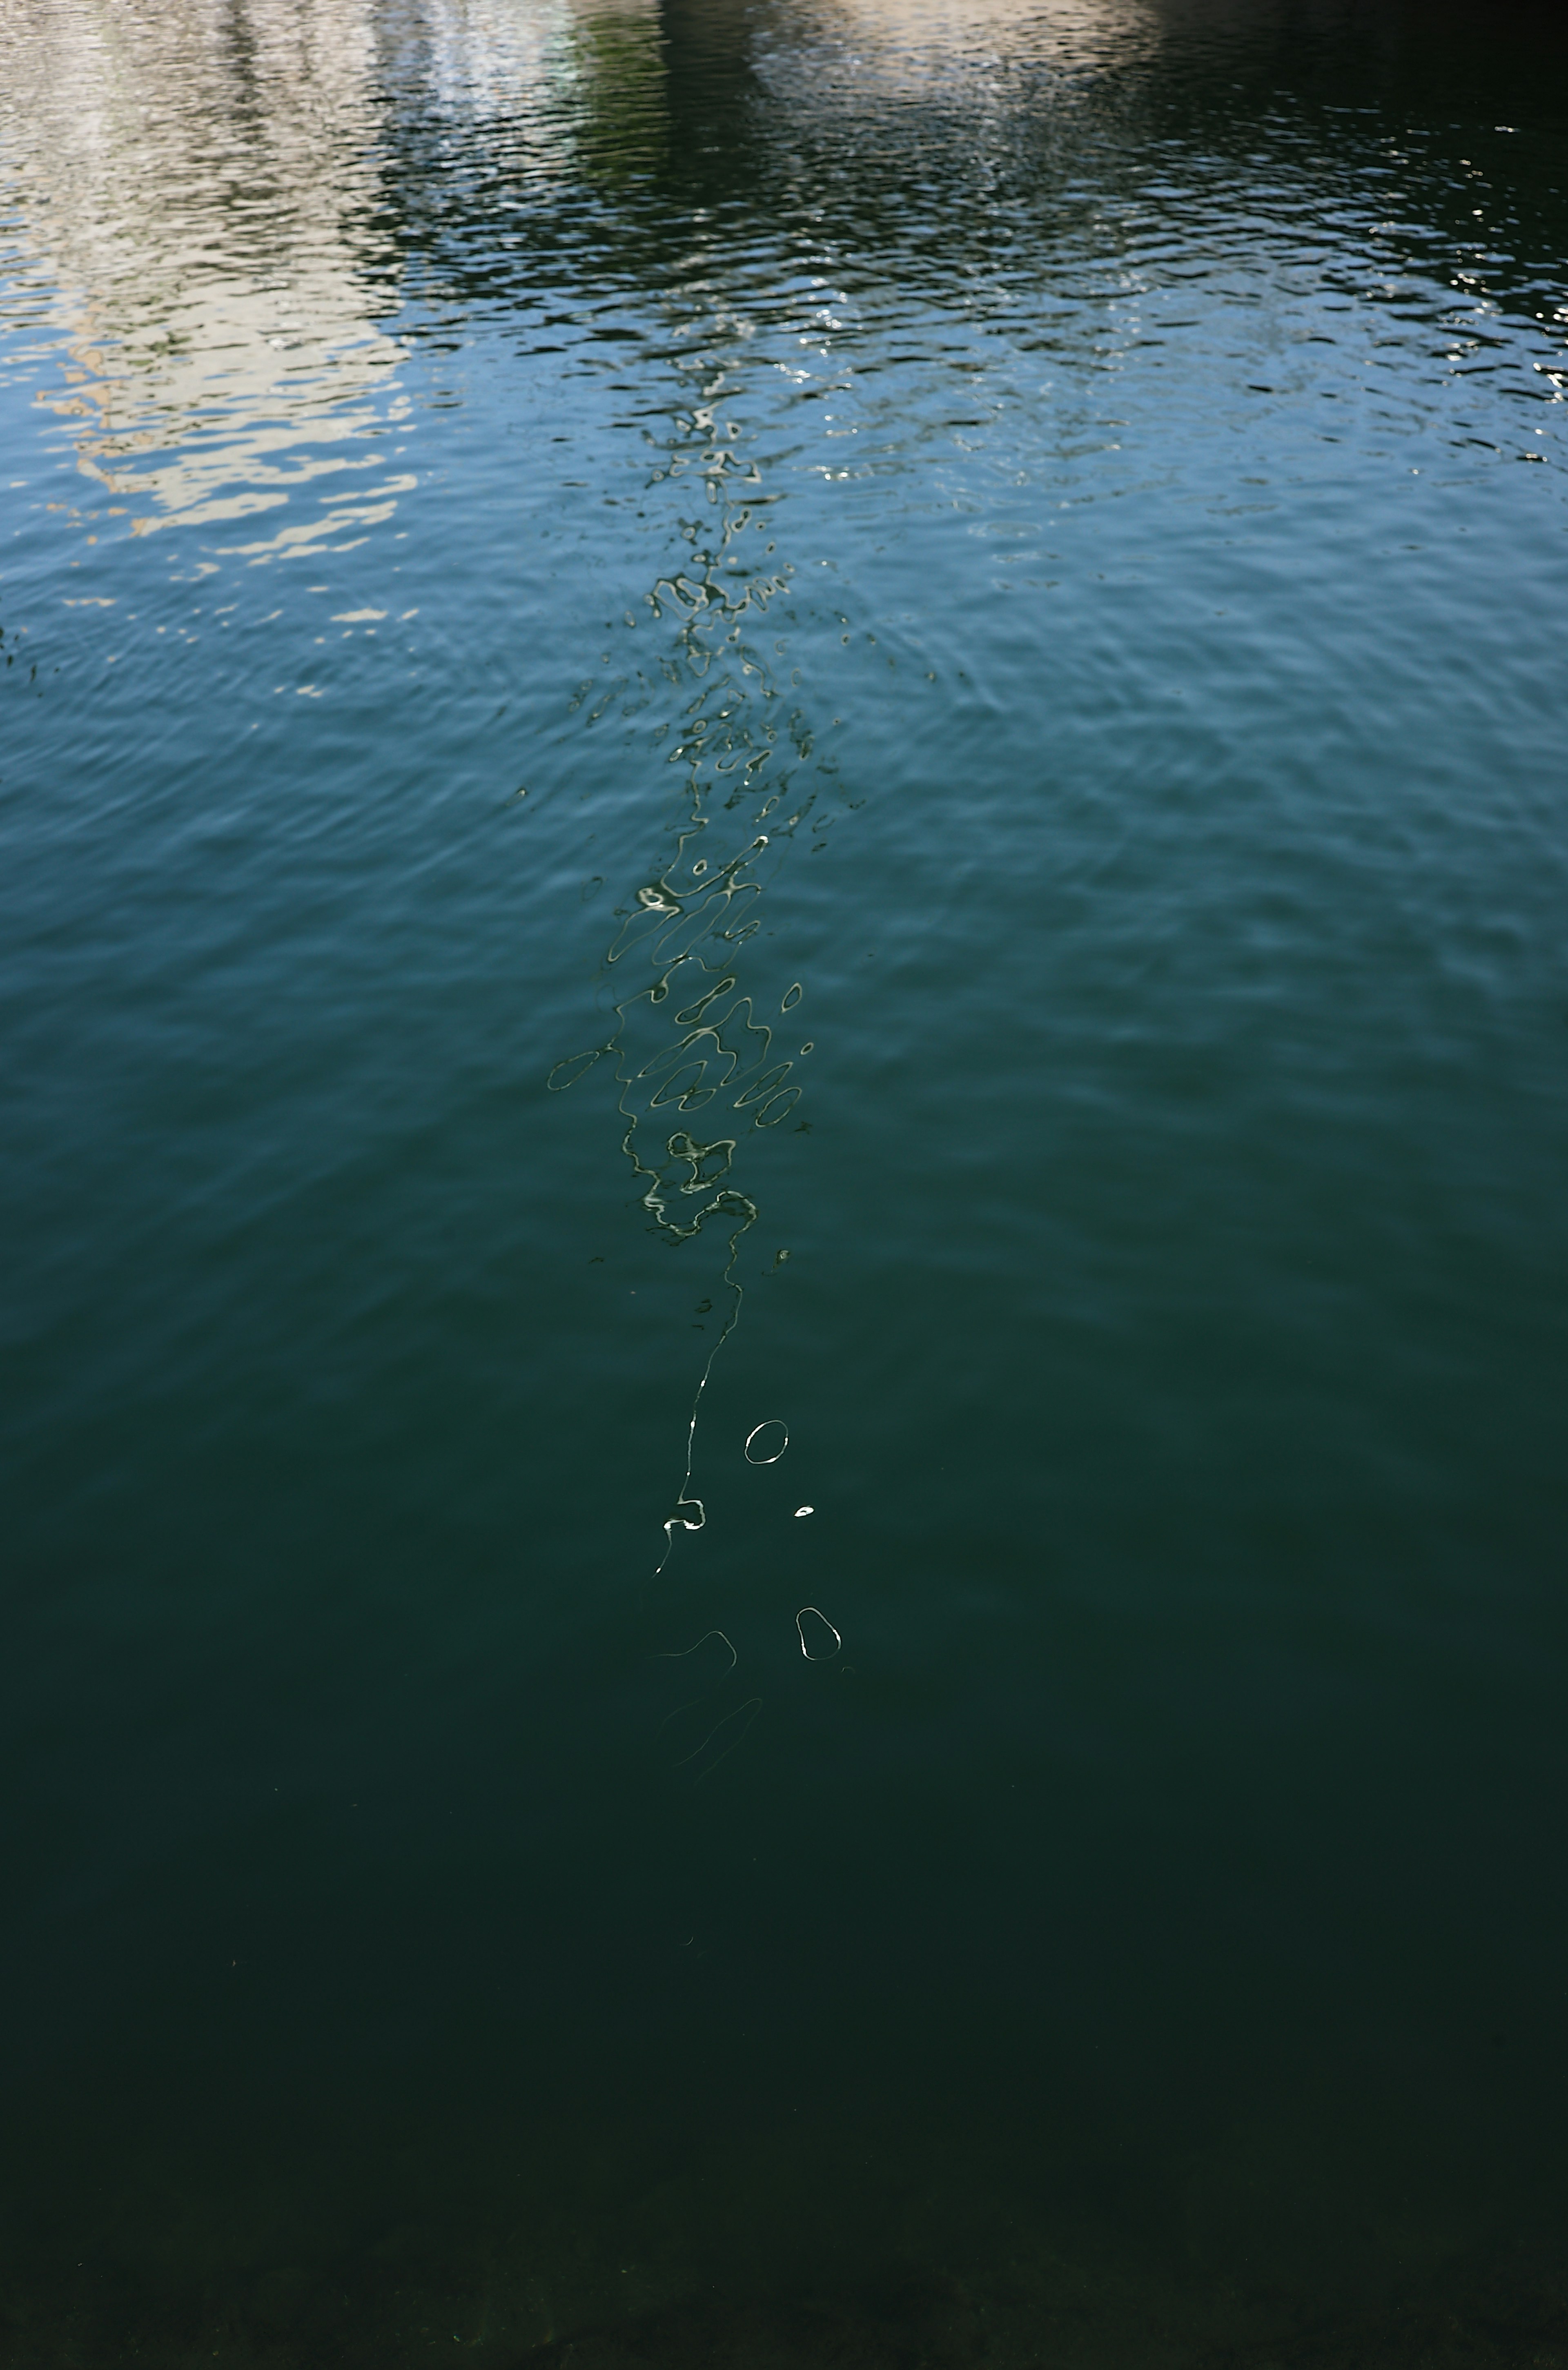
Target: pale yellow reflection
pixel 196 183
pixel 921 46
pixel 200 184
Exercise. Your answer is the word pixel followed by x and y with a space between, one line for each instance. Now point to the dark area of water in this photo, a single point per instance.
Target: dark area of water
pixel 782 862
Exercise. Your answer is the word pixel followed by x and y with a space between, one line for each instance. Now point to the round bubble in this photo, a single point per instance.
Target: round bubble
pixel 766 1443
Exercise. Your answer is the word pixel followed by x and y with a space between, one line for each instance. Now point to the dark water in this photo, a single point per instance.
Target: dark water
pixel 1018 555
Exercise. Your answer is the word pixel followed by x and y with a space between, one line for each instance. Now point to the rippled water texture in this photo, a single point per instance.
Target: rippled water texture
pixel 782 859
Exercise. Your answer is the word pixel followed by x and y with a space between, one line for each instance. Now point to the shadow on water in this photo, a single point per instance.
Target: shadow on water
pixel 734 2246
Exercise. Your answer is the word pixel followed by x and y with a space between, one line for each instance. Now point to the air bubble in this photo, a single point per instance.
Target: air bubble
pixel 768 1455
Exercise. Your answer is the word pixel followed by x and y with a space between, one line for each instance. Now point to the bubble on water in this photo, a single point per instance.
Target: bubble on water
pixel 767 1453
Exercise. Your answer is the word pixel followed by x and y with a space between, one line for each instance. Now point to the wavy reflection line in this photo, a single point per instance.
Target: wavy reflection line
pixel 740 744
pixel 679 1653
pixel 800 1629
pixel 745 1713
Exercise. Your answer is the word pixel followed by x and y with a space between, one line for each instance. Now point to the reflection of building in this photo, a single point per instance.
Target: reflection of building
pixel 484 54
pixel 200 184
pixel 915 46
pixel 967 25
pixel 197 181
pixel 561 91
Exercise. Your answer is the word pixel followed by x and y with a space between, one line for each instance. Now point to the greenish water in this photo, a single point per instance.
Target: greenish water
pixel 1016 558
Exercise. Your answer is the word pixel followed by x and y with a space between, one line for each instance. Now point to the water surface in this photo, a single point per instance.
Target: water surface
pixel 832 722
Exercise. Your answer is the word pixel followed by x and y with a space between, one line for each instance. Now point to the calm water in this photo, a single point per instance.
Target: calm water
pixel 823 715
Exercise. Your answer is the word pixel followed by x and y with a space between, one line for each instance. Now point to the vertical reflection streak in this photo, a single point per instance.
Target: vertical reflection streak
pixel 690 925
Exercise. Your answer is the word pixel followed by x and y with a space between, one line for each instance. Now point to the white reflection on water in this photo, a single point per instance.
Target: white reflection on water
pixel 196 185
pixel 203 254
pixel 487 52
pixel 865 49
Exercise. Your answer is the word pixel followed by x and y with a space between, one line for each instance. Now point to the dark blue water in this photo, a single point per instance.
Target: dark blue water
pixel 821 718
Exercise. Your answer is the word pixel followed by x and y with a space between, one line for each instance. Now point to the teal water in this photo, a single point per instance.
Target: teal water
pixel 821 717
